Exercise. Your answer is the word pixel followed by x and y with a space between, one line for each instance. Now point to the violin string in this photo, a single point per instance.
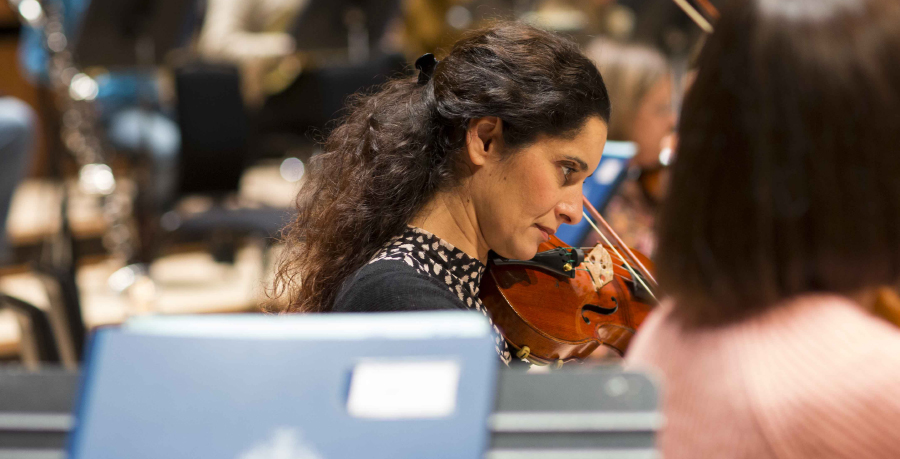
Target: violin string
pixel 634 275
pixel 614 274
pixel 616 258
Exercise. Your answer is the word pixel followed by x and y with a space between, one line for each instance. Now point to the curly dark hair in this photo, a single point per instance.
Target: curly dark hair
pixel 397 147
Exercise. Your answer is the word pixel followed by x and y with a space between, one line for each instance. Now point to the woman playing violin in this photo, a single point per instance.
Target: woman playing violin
pixel 483 151
pixel 780 228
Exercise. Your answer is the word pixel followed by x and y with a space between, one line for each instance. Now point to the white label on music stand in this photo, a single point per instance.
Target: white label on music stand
pixel 403 390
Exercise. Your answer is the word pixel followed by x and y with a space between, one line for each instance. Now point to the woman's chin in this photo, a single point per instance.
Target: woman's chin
pixel 521 248
pixel 523 253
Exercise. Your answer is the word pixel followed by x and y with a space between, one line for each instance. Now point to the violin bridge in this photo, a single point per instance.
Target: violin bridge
pixel 599 264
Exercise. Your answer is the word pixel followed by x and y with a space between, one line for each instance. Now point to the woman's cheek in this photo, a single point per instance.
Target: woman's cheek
pixel 542 192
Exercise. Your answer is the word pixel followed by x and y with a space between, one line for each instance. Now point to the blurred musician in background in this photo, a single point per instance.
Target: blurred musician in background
pixel 253 34
pixel 485 150
pixel 119 96
pixel 17 137
pixel 780 236
pixel 640 88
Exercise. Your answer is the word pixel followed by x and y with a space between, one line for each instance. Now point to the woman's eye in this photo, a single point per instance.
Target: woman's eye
pixel 566 172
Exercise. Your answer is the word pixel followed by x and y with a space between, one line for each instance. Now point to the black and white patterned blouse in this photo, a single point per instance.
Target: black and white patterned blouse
pixel 418 271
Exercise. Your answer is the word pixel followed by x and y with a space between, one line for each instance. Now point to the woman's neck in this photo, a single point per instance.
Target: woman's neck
pixel 451 217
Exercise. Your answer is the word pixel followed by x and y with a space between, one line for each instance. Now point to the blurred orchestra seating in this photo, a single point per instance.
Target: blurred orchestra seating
pixel 188 278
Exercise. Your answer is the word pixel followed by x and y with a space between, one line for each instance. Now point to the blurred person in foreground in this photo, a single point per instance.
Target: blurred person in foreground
pixel 640 89
pixel 17 135
pixel 780 238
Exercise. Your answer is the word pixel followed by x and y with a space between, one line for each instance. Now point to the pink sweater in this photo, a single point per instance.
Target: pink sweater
pixel 815 378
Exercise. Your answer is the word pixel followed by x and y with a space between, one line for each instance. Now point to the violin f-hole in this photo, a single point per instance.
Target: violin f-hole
pixel 598 310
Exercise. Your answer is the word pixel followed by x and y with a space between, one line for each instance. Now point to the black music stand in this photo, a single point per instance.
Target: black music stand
pixel 214 129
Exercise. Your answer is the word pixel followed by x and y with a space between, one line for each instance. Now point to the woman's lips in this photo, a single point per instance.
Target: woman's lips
pixel 546 232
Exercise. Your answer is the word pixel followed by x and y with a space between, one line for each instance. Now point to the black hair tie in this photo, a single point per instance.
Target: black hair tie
pixel 426 65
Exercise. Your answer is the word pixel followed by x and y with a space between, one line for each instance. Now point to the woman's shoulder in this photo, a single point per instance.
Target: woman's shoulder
pixel 827 323
pixel 393 285
pixel 808 335
pixel 827 383
pixel 816 374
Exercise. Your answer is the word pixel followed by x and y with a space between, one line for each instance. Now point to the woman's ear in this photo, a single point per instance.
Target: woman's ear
pixel 484 138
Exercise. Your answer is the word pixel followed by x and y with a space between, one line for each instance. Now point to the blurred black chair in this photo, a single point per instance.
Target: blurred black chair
pixel 55 335
pixel 215 137
pixel 36 412
pixel 38 331
pixel 215 151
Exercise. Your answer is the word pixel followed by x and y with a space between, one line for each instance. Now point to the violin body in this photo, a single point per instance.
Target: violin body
pixel 653 183
pixel 551 318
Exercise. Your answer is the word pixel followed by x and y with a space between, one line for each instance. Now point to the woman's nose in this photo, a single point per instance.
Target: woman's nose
pixel 569 210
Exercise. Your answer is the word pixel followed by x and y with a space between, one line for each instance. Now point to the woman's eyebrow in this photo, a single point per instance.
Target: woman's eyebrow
pixel 582 166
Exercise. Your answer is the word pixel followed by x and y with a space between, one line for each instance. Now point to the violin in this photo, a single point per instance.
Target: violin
pixel 652 181
pixel 569 304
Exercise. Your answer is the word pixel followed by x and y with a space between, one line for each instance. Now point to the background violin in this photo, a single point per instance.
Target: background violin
pixel 568 304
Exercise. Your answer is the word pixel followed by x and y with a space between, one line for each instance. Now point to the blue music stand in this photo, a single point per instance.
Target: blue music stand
pixel 391 385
